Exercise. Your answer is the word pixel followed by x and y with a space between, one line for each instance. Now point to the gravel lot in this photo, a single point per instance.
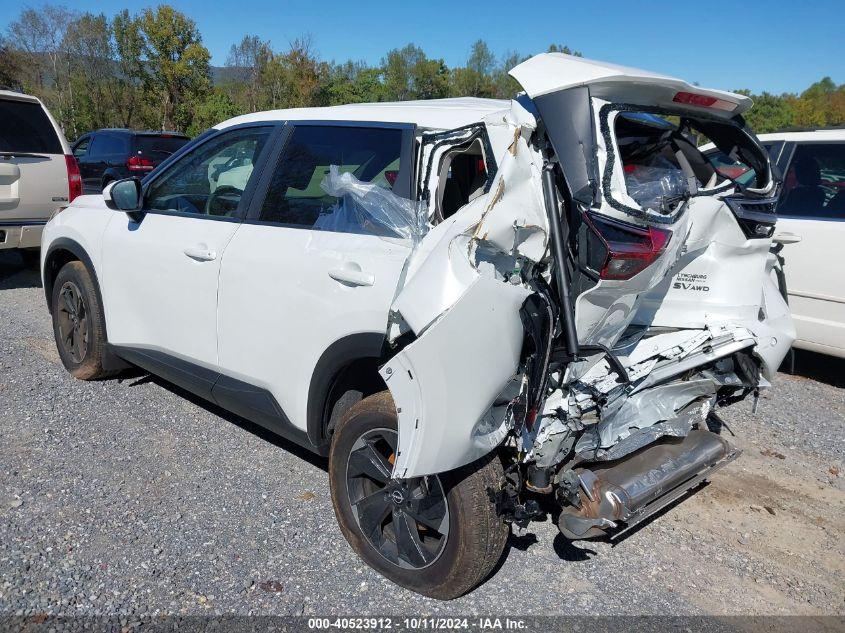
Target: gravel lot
pixel 127 496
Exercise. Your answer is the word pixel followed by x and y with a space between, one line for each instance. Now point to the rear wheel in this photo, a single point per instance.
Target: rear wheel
pixel 437 535
pixel 78 324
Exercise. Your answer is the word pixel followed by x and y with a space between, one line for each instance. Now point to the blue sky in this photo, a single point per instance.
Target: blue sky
pixel 774 45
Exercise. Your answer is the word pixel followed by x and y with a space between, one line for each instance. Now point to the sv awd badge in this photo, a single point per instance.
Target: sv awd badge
pixel 691 281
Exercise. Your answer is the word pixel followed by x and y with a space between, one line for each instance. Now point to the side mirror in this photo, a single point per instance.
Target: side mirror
pixel 125 195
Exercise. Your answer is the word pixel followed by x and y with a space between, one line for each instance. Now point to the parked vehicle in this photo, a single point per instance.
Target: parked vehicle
pixel 483 312
pixel 38 175
pixel 114 153
pixel 811 227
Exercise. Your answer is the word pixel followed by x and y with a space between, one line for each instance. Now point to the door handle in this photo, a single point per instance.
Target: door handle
pixel 200 253
pixel 352 274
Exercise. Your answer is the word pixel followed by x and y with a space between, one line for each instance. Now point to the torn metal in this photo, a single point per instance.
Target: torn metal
pixel 603 401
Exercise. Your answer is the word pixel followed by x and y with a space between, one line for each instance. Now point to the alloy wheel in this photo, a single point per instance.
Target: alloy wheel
pixel 73 322
pixel 406 521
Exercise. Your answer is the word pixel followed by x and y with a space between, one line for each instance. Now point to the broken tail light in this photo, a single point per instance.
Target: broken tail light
pixel 617 250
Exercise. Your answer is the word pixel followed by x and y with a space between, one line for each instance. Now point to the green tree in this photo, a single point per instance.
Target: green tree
pixel 563 48
pixel 248 59
pixel 215 108
pixel 176 70
pixel 476 78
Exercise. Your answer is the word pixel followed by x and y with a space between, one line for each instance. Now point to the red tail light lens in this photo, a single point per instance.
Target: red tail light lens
pixel 620 251
pixel 703 101
pixel 139 163
pixel 74 178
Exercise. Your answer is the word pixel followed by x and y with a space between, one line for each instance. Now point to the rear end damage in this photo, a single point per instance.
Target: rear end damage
pixel 587 315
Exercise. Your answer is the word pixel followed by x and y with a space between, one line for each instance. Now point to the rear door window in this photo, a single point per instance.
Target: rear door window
pixel 295 196
pixel 814 185
pixel 25 127
pixel 159 147
pixel 108 144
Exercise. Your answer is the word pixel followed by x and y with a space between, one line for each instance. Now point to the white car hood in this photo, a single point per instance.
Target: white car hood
pixel 551 72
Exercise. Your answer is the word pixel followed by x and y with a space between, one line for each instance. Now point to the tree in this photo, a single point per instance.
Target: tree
pixel 216 107
pixel 10 68
pixel 88 46
pixel 37 36
pixel 476 78
pixel 176 70
pixel 397 70
pixel 563 48
pixel 127 88
pixel 248 59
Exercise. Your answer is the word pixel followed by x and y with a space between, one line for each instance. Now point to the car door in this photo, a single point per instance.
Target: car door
pixel 93 163
pixel 812 207
pixel 304 274
pixel 160 274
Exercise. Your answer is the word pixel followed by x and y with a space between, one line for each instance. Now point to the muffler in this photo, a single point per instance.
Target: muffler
pixel 632 489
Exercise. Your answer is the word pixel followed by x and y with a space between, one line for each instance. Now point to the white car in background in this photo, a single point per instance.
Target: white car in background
pixel 38 173
pixel 811 226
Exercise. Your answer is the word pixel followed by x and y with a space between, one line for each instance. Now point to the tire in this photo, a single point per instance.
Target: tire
pixel 468 551
pixel 82 351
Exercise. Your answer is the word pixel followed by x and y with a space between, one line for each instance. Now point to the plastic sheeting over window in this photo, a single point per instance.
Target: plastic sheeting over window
pixel 369 209
pixel 657 188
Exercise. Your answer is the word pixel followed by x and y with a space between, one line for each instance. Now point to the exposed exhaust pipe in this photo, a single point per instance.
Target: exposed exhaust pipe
pixel 635 487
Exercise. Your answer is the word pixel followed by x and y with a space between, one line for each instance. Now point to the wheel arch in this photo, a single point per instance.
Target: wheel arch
pixel 62 251
pixel 349 366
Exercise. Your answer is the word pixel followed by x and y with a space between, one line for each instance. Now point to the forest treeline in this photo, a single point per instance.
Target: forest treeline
pixel 151 70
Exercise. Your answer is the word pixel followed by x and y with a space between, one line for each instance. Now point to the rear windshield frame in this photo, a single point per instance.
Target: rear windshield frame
pixel 610 148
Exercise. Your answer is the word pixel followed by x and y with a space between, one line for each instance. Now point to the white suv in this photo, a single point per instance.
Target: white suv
pixel 811 230
pixel 38 174
pixel 481 311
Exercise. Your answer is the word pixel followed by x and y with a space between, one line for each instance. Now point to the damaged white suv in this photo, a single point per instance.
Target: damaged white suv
pixel 483 312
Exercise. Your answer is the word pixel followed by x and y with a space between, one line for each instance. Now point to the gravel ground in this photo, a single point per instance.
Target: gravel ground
pixel 129 497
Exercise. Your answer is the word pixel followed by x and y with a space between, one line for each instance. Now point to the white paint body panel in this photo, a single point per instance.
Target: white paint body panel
pixel 445 380
pixel 156 296
pixel 816 283
pixel 280 309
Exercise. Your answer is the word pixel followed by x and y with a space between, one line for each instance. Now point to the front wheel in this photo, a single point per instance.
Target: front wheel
pixel 437 535
pixel 78 323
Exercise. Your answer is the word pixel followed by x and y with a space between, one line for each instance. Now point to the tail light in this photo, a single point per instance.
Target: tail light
pixel 74 178
pixel 139 163
pixel 618 250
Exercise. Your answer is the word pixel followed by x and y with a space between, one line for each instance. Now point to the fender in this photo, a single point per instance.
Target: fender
pixel 334 359
pixel 110 361
pixel 76 249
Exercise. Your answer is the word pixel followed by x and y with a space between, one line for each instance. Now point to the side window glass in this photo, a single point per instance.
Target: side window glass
pixel 98 145
pixel 211 179
pixel 81 147
pixel 295 196
pixel 814 184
